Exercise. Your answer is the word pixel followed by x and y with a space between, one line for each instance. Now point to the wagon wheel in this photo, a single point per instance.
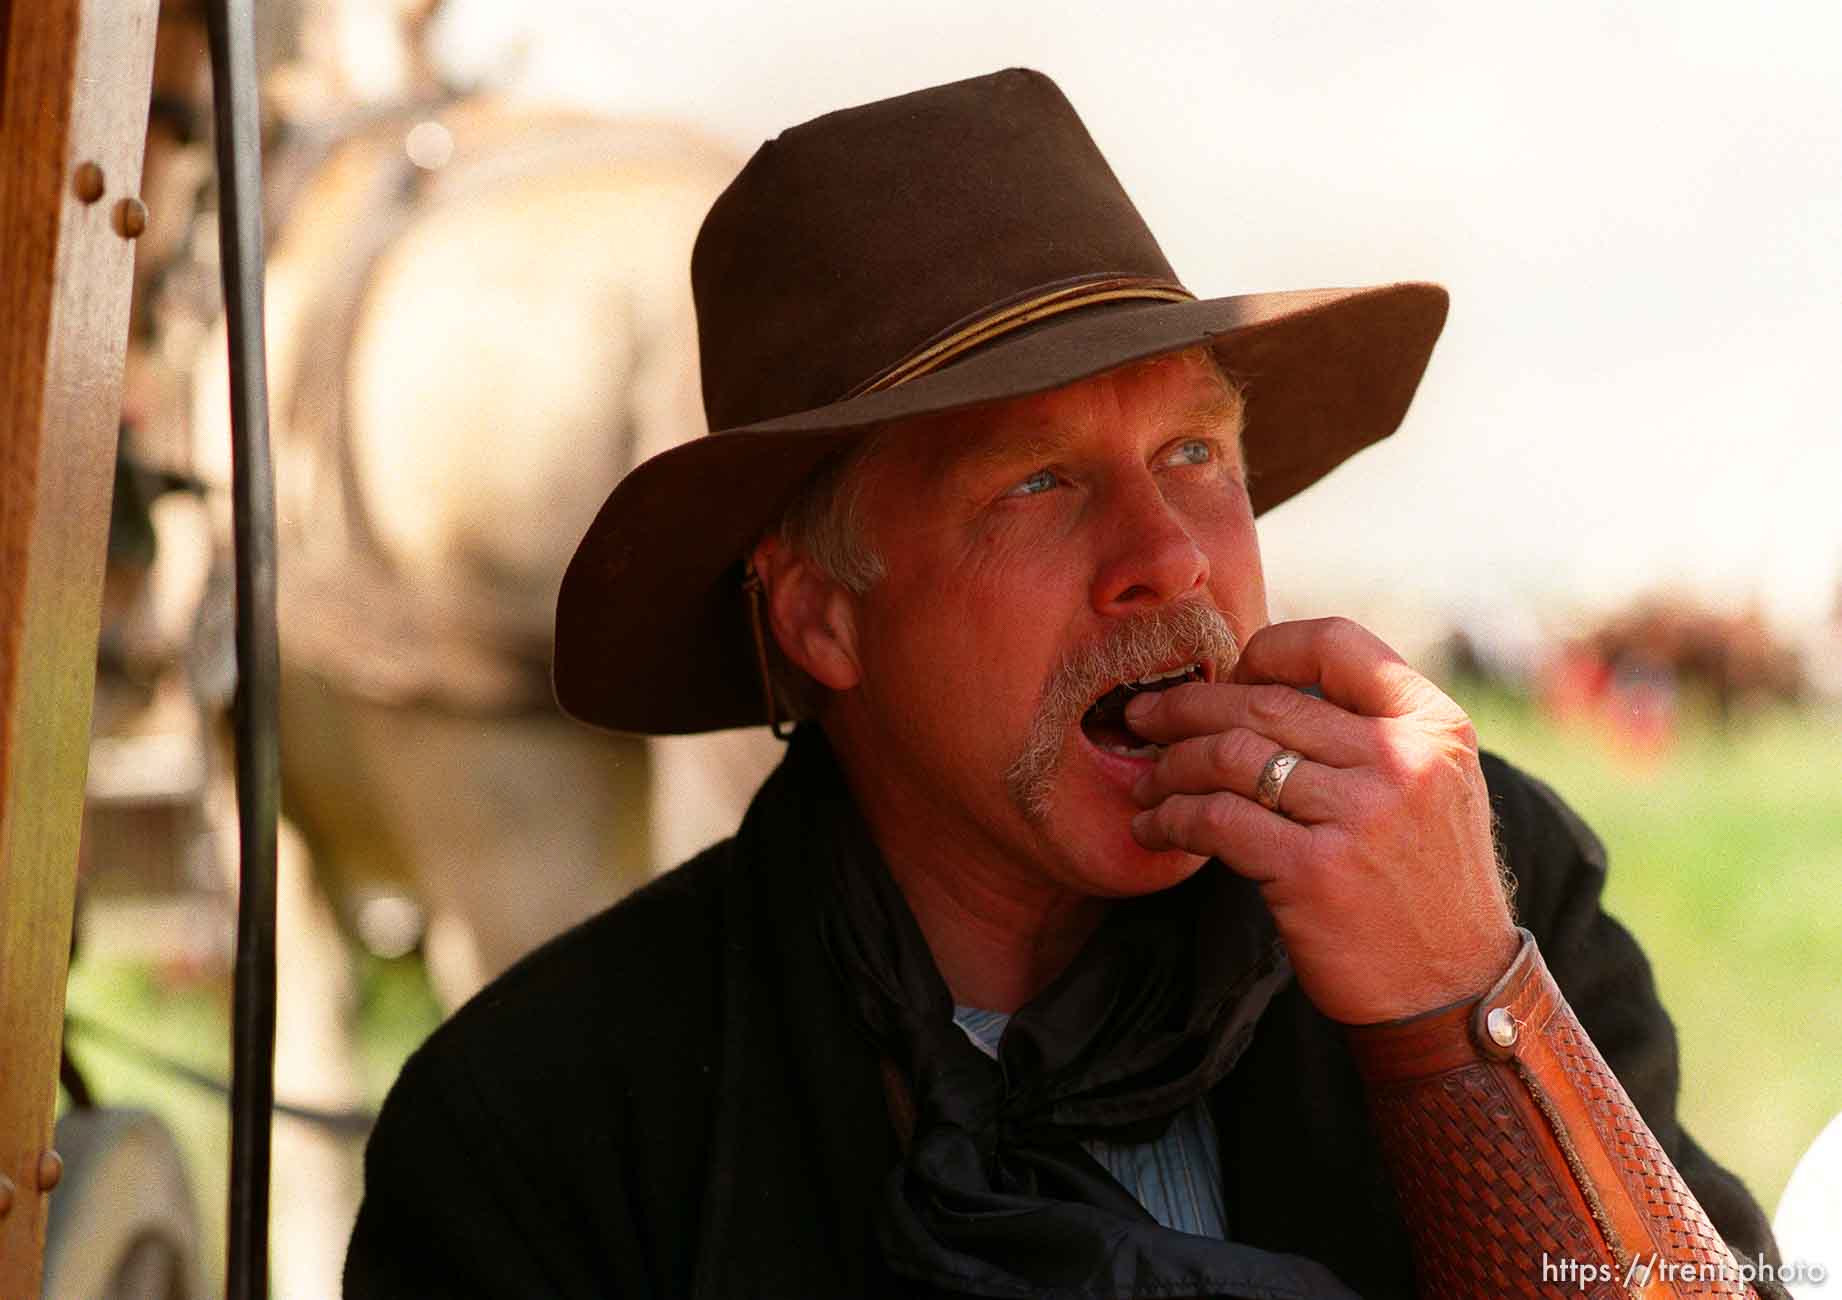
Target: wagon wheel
pixel 122 1224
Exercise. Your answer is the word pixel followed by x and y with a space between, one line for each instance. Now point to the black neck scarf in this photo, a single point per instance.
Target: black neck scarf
pixel 996 1195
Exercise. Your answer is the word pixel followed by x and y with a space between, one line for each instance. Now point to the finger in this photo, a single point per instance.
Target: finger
pixel 1350 664
pixel 1255 843
pixel 1321 731
pixel 1234 760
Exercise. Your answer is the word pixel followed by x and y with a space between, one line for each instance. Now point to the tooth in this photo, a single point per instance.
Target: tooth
pixel 1152 678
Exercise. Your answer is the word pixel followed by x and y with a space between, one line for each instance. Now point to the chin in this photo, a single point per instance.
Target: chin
pixel 1085 833
pixel 1106 862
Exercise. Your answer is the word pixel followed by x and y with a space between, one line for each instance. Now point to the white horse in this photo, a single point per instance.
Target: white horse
pixel 477 322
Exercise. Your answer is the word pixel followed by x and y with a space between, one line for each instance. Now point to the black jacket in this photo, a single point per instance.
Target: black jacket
pixel 672 1100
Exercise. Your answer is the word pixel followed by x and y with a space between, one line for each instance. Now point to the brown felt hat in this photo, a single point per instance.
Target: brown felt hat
pixel 955 246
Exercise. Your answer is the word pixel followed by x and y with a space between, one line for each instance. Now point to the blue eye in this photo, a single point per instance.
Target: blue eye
pixel 1035 485
pixel 1197 451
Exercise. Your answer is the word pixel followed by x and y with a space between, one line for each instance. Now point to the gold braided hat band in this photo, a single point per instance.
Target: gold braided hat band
pixel 961 339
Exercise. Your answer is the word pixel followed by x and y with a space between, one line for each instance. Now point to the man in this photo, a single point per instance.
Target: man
pixel 1097 937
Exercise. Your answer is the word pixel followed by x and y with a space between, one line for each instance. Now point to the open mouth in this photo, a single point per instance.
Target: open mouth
pixel 1104 723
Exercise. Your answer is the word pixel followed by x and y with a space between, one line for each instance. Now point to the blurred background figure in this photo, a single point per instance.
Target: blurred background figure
pixel 1628 673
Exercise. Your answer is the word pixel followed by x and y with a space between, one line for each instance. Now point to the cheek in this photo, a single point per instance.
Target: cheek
pixel 1236 577
pixel 1019 584
pixel 971 634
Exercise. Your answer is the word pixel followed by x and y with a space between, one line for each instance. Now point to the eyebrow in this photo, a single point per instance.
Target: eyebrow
pixel 1042 442
pixel 1217 415
pixel 1221 414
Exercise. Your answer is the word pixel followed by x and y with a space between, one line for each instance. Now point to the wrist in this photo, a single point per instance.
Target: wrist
pixel 1446 1036
pixel 1455 993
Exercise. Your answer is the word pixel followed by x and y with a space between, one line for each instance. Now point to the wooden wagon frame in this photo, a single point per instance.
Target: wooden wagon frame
pixel 74 96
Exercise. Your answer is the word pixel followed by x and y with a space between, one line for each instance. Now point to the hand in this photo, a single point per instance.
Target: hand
pixel 1381 873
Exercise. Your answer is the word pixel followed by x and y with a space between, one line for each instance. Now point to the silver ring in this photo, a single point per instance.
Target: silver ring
pixel 1273 778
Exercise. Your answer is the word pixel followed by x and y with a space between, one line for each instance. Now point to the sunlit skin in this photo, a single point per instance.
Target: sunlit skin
pixel 1019 532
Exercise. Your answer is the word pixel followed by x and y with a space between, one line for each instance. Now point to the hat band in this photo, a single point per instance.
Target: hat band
pixel 983 329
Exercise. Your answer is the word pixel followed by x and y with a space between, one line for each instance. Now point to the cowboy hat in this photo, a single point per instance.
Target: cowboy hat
pixel 956 246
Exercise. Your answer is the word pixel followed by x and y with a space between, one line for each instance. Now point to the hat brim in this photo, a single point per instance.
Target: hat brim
pixel 652 633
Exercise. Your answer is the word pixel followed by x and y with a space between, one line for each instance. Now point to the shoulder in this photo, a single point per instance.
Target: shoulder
pixel 520 1140
pixel 662 933
pixel 637 981
pixel 1532 819
pixel 605 1039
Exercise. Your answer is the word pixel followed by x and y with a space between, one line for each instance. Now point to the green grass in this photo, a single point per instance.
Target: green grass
pixel 1726 862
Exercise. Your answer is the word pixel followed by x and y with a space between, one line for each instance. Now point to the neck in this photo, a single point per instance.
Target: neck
pixel 1000 929
pixel 997 941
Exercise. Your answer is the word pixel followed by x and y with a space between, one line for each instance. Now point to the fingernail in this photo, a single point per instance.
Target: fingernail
pixel 1141 824
pixel 1138 787
pixel 1140 705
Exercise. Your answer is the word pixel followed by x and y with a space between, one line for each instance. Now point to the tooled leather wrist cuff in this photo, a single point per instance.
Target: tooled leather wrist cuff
pixel 1521 1167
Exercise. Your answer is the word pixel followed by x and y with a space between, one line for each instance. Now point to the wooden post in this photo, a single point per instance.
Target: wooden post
pixel 74 78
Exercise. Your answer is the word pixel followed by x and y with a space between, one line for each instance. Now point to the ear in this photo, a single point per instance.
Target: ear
pixel 813 619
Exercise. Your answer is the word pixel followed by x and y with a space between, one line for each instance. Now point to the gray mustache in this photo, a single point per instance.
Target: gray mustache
pixel 1180 633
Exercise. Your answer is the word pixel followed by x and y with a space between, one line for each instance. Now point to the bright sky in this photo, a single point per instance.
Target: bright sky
pixel 1637 208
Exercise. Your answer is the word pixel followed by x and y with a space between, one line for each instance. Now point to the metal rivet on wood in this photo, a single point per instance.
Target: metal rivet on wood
pixel 89 182
pixel 50 1170
pixel 130 218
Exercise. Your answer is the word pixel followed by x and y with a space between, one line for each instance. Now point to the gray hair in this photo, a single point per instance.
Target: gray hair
pixel 824 523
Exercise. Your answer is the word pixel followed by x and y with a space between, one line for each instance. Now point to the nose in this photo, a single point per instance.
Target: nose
pixel 1149 554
